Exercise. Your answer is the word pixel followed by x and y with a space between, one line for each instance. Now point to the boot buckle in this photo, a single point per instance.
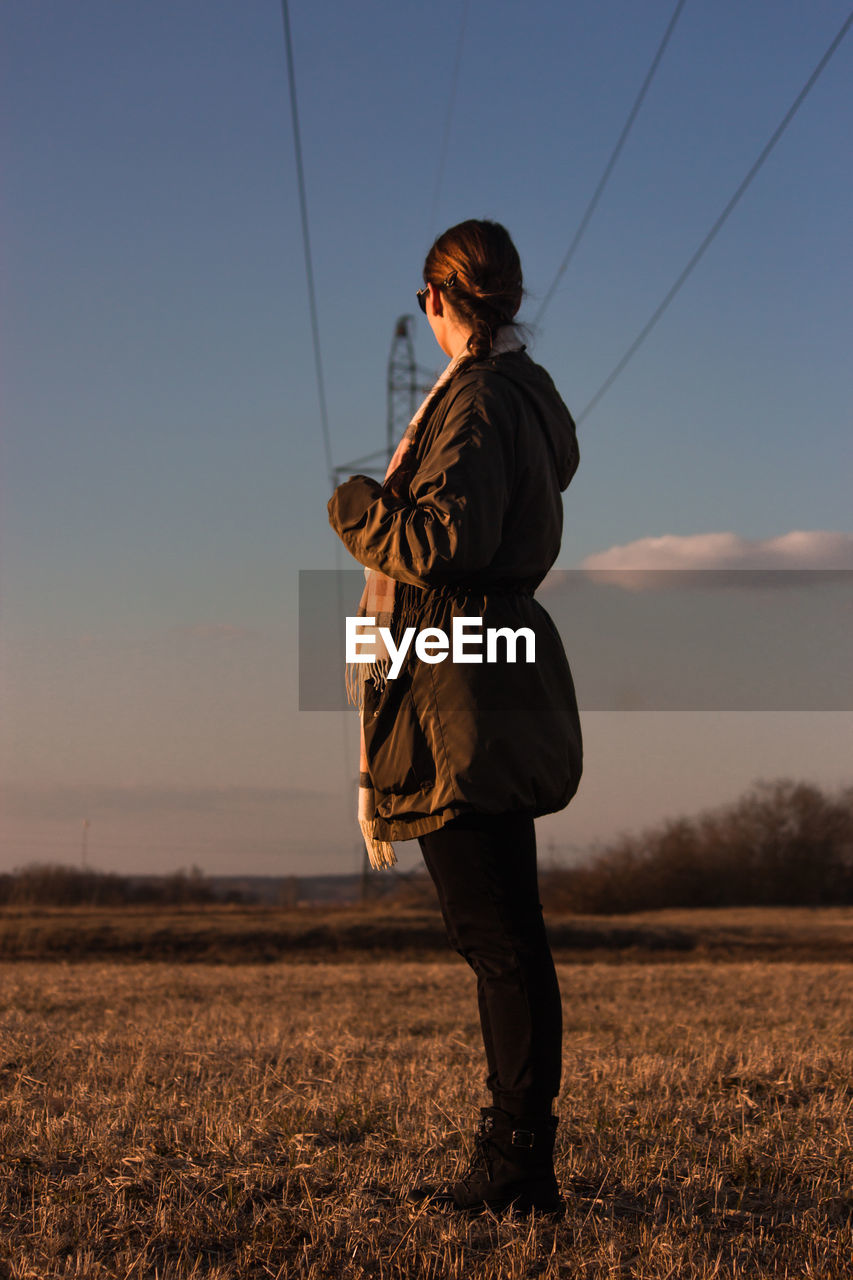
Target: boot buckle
pixel 524 1138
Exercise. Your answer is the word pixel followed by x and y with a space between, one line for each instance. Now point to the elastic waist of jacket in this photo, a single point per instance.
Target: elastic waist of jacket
pixel 409 596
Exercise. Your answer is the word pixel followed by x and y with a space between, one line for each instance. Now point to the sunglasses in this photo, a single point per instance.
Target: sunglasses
pixel 445 284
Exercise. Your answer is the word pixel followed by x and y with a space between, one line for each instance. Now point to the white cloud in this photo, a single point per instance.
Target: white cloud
pixel 800 549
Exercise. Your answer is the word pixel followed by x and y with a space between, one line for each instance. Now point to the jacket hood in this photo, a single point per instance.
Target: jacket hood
pixel 554 418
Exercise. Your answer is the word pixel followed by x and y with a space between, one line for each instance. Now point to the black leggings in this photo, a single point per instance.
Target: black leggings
pixel 484 868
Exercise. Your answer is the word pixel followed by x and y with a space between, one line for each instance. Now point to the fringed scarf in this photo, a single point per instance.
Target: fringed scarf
pixel 377 601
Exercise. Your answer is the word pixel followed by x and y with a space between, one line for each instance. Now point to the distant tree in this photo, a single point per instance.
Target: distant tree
pixel 782 843
pixel 49 884
pixel 56 885
pixel 183 888
pixel 288 892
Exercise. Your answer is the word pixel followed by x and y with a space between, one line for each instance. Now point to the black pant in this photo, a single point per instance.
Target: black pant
pixel 484 868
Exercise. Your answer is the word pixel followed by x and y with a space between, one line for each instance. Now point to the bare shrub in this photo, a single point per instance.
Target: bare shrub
pixel 48 884
pixel 783 843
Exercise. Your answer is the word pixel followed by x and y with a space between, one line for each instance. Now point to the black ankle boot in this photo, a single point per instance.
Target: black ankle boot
pixel 512 1167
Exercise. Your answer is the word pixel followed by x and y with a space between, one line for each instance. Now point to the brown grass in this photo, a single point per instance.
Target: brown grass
pixel 177 1122
pixel 249 934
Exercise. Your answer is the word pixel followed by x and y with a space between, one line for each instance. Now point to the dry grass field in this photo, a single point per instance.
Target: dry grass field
pixel 245 934
pixel 167 1121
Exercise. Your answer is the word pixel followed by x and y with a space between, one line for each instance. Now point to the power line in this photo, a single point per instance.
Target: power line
pixel 442 159
pixel 306 242
pixel 656 315
pixel 611 163
pixel 315 328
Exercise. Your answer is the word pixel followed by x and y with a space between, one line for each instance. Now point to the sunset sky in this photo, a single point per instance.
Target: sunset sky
pixel 163 469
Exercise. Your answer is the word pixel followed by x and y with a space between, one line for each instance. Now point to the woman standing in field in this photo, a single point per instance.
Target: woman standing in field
pixel 463 751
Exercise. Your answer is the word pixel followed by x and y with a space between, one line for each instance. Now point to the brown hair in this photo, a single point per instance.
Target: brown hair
pixel 487 289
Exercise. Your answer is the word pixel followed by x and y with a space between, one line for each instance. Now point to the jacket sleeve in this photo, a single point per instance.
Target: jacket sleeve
pixel 449 524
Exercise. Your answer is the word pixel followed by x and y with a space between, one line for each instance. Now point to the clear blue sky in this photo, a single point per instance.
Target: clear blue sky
pixel 163 475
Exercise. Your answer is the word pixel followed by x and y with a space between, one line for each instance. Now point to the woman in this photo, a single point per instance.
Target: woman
pixel 457 751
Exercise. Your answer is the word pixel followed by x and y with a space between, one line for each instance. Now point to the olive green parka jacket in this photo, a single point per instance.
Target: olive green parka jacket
pixel 473 537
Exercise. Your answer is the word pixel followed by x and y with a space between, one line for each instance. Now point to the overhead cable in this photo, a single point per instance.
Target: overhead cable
pixel 442 159
pixel 306 244
pixel 777 134
pixel 611 163
pixel 315 333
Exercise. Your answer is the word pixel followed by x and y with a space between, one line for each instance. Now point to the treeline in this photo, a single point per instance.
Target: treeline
pixel 51 885
pixel 783 844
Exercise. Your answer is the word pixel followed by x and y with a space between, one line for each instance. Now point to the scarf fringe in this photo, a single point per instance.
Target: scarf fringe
pixel 380 852
pixel 358 673
pixel 379 591
pixel 355 685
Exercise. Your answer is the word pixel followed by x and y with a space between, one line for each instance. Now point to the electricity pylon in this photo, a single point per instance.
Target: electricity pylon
pixel 406 384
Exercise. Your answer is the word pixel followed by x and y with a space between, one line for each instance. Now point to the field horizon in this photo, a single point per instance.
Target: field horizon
pixel 245 934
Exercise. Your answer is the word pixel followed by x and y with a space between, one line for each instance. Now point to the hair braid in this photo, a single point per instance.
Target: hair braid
pixel 488 288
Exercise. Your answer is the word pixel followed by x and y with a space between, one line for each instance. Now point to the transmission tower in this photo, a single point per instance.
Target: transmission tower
pixel 406 384
pixel 402 382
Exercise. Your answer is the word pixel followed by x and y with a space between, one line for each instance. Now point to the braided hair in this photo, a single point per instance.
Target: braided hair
pixel 484 269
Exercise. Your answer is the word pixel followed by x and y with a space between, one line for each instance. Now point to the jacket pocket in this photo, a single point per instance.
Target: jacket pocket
pixel 398 754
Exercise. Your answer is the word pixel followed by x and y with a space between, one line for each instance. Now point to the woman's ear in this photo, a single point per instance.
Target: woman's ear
pixel 436 301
